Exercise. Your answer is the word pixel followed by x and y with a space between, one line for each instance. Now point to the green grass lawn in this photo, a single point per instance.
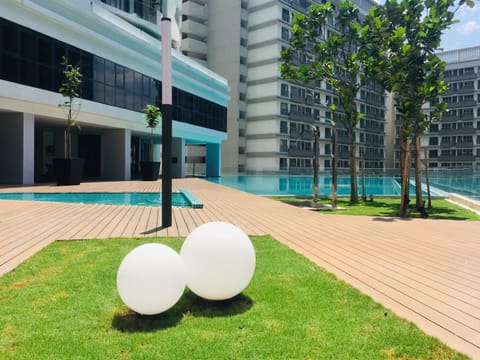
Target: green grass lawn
pixel 63 304
pixel 389 207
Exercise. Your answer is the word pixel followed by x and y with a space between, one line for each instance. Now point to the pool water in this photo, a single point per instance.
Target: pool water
pixel 287 185
pixel 179 199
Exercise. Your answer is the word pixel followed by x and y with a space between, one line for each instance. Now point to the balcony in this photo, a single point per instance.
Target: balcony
pixel 456 158
pixel 193 27
pixel 465 90
pixel 194 10
pixel 297 98
pixel 294 134
pixel 293 152
pixel 307 135
pixel 469 130
pixel 459 144
pixel 462 104
pixel 468 76
pixel 308 118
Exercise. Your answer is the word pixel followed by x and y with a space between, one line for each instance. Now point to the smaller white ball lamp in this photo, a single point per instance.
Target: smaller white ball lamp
pixel 219 259
pixel 151 279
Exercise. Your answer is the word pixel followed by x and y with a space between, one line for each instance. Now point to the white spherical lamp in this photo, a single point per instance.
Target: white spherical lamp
pixel 219 259
pixel 151 279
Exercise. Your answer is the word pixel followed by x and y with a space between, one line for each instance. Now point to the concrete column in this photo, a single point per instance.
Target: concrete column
pixel 178 157
pixel 17 148
pixel 157 152
pixel 214 159
pixel 117 158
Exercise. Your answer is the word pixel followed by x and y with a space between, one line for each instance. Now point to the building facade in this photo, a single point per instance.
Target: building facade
pixel 215 33
pixel 280 114
pixel 454 142
pixel 117 46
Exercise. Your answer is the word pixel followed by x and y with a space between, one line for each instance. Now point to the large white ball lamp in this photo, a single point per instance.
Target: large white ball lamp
pixel 151 279
pixel 219 259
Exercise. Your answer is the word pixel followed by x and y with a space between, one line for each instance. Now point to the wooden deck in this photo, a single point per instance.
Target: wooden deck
pixel 427 271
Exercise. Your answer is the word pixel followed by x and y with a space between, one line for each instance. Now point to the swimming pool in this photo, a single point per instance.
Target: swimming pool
pixel 179 199
pixel 287 185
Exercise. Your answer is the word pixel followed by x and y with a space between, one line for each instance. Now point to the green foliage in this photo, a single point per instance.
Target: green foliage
pixel 401 38
pixel 152 115
pixel 389 207
pixel 70 90
pixel 63 304
pixel 337 59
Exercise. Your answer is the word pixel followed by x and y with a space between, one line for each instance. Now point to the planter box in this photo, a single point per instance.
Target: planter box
pixel 68 171
pixel 150 170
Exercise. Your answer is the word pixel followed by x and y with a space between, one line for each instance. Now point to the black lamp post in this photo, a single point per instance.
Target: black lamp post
pixel 167 112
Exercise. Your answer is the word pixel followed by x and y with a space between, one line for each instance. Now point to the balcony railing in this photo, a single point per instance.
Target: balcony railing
pixel 300 152
pixel 461 104
pixel 456 158
pixel 309 118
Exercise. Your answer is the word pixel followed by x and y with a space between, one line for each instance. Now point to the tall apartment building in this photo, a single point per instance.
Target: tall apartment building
pixel 280 115
pixel 269 119
pixel 214 33
pixel 116 43
pixel 454 142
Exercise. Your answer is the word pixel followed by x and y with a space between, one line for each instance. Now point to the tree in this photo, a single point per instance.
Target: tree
pixel 333 57
pixel 70 90
pixel 401 39
pixel 152 115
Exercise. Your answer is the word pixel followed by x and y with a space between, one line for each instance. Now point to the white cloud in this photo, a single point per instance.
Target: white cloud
pixel 469 27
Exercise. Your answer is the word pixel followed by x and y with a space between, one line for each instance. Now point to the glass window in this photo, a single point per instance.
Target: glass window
pixel 98 92
pixel 87 65
pixel 44 51
pixel 10 38
pixel 120 97
pixel 109 95
pixel 109 73
pixel 119 76
pixel 10 67
pixel 98 69
pixel 138 84
pixel 285 15
pixel 45 78
pixel 59 50
pixel 74 56
pixel 146 86
pixel 27 43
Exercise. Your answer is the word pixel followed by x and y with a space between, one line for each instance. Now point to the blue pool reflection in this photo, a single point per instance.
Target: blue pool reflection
pixel 279 185
pixel 123 198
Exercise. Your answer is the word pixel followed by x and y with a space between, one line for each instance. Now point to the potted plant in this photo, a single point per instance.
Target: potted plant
pixel 150 169
pixel 68 170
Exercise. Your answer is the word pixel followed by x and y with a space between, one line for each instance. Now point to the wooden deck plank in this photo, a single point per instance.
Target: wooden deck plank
pixel 424 270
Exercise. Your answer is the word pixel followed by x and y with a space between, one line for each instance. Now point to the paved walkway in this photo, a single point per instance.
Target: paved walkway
pixel 424 270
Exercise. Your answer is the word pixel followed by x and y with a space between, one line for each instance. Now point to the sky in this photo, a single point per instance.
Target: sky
pixel 467 32
pixel 464 34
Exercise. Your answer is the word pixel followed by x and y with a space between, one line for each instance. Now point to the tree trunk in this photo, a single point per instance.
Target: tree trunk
pixel 353 170
pixel 418 174
pixel 427 179
pixel 362 167
pixel 405 165
pixel 315 165
pixel 68 143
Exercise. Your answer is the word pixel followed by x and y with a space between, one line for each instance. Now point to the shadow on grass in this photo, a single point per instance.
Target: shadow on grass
pixel 189 305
